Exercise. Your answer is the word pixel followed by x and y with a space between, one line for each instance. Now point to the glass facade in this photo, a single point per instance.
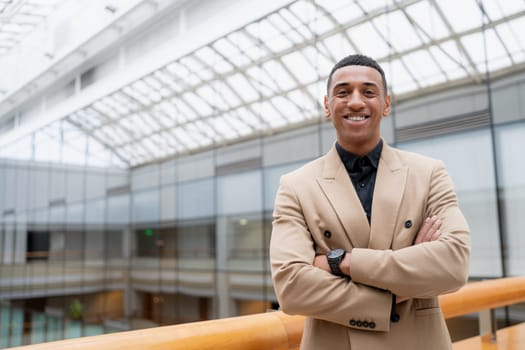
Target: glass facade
pixel 511 164
pixel 473 172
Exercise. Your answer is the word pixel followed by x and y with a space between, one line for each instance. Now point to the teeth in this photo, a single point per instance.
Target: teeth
pixel 356 119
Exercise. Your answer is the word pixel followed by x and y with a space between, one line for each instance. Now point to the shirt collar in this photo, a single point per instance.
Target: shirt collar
pixel 349 159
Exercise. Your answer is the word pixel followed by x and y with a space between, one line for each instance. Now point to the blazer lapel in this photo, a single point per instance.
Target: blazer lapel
pixel 338 189
pixel 388 193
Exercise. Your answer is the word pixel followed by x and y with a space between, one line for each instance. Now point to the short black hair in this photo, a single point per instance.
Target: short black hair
pixel 357 60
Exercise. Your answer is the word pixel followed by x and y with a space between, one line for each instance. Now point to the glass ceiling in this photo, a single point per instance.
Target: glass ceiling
pixel 270 74
pixel 20 17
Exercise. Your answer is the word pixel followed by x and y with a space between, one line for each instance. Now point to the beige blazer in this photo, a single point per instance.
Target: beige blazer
pixel 317 209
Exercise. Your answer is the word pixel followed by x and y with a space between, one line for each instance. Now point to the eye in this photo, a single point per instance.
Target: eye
pixel 369 93
pixel 341 93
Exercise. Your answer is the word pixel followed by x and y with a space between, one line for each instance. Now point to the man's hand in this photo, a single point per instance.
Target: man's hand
pixel 321 262
pixel 429 231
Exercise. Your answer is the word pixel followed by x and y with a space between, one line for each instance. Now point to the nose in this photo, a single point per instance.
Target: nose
pixel 355 101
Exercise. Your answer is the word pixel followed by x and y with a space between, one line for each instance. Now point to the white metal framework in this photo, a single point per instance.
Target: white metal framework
pixel 270 74
pixel 20 17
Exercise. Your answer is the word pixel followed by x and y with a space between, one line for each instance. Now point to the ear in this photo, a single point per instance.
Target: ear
pixel 326 109
pixel 386 110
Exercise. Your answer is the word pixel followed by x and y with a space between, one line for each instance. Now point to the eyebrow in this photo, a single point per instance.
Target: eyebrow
pixel 366 83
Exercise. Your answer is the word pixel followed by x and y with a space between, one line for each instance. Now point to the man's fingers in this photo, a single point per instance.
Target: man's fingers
pixel 426 225
pixel 429 231
pixel 423 230
pixel 436 235
pixel 435 227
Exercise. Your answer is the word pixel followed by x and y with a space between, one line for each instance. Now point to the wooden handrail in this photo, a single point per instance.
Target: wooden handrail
pixel 483 295
pixel 273 330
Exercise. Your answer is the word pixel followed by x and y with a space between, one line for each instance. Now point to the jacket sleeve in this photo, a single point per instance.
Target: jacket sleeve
pixel 428 269
pixel 304 289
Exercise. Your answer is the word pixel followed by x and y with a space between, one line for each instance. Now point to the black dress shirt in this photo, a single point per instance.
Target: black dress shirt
pixel 362 171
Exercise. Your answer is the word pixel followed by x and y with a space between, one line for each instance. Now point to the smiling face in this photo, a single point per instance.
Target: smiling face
pixel 356 103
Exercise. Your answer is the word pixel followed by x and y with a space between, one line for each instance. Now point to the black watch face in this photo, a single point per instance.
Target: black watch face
pixel 333 254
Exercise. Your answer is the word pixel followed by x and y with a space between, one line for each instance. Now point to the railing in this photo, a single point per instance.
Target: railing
pixel 278 331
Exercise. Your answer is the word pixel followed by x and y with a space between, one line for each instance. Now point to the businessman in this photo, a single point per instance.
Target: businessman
pixel 366 237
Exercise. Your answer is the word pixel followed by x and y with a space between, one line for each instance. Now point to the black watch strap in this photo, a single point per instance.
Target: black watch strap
pixel 335 269
pixel 334 260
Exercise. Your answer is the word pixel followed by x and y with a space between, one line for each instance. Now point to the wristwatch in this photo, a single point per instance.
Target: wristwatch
pixel 335 257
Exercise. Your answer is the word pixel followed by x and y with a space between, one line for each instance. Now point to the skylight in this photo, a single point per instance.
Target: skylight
pixel 270 73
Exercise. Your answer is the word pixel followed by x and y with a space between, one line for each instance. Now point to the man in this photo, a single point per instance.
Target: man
pixel 366 237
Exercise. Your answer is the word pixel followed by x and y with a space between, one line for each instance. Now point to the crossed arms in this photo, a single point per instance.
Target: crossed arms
pixel 428 232
pixel 435 263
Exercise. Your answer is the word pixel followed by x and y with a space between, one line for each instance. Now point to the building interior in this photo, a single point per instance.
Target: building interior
pixel 142 143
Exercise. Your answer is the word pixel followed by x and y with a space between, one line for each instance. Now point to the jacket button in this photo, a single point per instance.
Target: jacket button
pixel 394 317
pixel 372 325
pixel 408 223
pixel 365 324
pixel 352 322
pixel 327 234
pixel 359 324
